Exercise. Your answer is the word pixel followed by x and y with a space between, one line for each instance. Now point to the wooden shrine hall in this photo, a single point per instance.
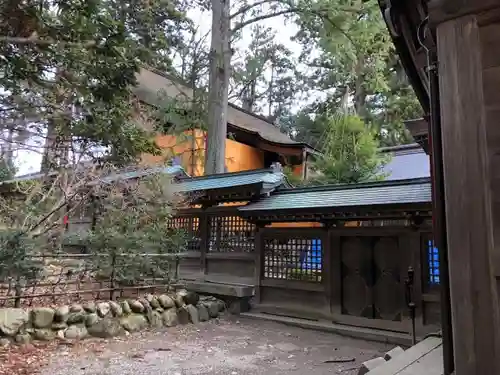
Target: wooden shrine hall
pixel 450 50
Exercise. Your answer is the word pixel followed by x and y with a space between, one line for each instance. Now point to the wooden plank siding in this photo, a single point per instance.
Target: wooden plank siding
pixel 345 293
pixel 339 297
pixel 469 79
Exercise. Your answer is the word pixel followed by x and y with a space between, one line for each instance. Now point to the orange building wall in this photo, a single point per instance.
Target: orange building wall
pixel 241 157
pixel 297 170
pixel 190 147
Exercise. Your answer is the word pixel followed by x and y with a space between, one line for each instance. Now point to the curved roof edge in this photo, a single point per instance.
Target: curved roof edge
pixel 403 19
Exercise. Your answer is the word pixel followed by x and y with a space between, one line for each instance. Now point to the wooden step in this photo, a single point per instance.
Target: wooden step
pixel 425 358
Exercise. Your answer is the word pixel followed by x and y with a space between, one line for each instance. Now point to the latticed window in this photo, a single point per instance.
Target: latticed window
pixel 432 263
pixel 191 226
pixel 231 234
pixel 293 259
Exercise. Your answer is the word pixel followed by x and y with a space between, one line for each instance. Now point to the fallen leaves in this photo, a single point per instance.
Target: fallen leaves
pixel 25 359
pixel 29 359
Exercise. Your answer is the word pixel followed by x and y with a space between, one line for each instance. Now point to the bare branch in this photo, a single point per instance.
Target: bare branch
pixel 248 7
pixel 241 25
pixel 45 42
pixel 323 14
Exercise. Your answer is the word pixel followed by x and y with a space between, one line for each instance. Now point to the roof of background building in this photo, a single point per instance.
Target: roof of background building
pixel 407 162
pixel 175 171
pixel 128 173
pixel 153 83
pixel 402 192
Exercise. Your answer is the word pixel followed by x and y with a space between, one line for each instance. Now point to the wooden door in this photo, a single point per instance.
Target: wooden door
pixel 372 288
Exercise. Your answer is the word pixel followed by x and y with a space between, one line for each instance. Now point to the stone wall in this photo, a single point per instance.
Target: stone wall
pixel 105 319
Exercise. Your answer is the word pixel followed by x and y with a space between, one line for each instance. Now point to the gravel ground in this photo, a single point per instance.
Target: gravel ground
pixel 218 347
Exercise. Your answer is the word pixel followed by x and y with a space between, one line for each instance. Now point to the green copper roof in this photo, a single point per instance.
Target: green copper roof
pixel 353 195
pixel 270 179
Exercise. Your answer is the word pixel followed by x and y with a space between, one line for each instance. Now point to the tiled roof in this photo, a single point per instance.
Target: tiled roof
pixel 407 162
pixel 269 178
pixel 354 195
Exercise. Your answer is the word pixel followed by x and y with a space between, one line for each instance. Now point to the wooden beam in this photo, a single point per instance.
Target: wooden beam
pixel 417 127
pixel 474 298
pixel 445 10
pixel 333 260
pixel 419 130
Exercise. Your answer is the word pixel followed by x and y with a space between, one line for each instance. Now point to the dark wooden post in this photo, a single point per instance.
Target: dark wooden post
pixel 259 258
pixel 467 182
pixel 333 263
pixel 410 242
pixel 204 236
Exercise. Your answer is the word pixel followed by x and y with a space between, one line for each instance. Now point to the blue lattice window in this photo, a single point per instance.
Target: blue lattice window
pixel 433 263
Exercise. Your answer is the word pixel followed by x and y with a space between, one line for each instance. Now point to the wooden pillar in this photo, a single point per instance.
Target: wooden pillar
pixel 333 260
pixel 204 223
pixel 259 259
pixel 468 193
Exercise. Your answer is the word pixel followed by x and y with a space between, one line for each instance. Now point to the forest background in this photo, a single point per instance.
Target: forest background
pixel 323 71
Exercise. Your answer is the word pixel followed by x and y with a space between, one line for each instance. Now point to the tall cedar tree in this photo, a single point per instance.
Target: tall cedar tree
pixel 68 68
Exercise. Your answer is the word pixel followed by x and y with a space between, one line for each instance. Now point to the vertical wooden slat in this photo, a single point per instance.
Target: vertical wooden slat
pixel 474 299
pixel 414 251
pixel 326 268
pixel 335 268
pixel 204 234
pixel 259 256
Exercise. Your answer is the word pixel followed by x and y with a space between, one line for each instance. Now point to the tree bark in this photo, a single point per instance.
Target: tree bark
pixel 248 98
pixel 220 60
pixel 360 93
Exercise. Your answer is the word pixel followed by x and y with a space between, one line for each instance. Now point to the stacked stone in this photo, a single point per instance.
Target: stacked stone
pixel 106 319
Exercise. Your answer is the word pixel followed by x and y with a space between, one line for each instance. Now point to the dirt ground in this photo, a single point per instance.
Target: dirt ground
pixel 220 347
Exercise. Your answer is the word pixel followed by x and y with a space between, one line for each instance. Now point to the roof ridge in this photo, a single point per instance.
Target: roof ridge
pixel 410 146
pixel 227 174
pixel 408 152
pixel 355 186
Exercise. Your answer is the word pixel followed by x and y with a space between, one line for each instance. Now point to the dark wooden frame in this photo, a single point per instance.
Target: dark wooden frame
pixel 325 297
pixel 409 239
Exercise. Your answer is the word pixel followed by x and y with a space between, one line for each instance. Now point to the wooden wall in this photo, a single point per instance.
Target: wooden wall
pixel 362 284
pixel 468 46
pixel 359 279
pixel 489 36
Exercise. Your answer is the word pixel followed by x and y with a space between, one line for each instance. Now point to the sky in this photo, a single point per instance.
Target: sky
pixel 29 161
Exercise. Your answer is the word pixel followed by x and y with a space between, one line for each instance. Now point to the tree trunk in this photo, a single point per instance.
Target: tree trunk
pixel 220 60
pixel 9 152
pixel 248 100
pixel 270 93
pixel 49 153
pixel 360 93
